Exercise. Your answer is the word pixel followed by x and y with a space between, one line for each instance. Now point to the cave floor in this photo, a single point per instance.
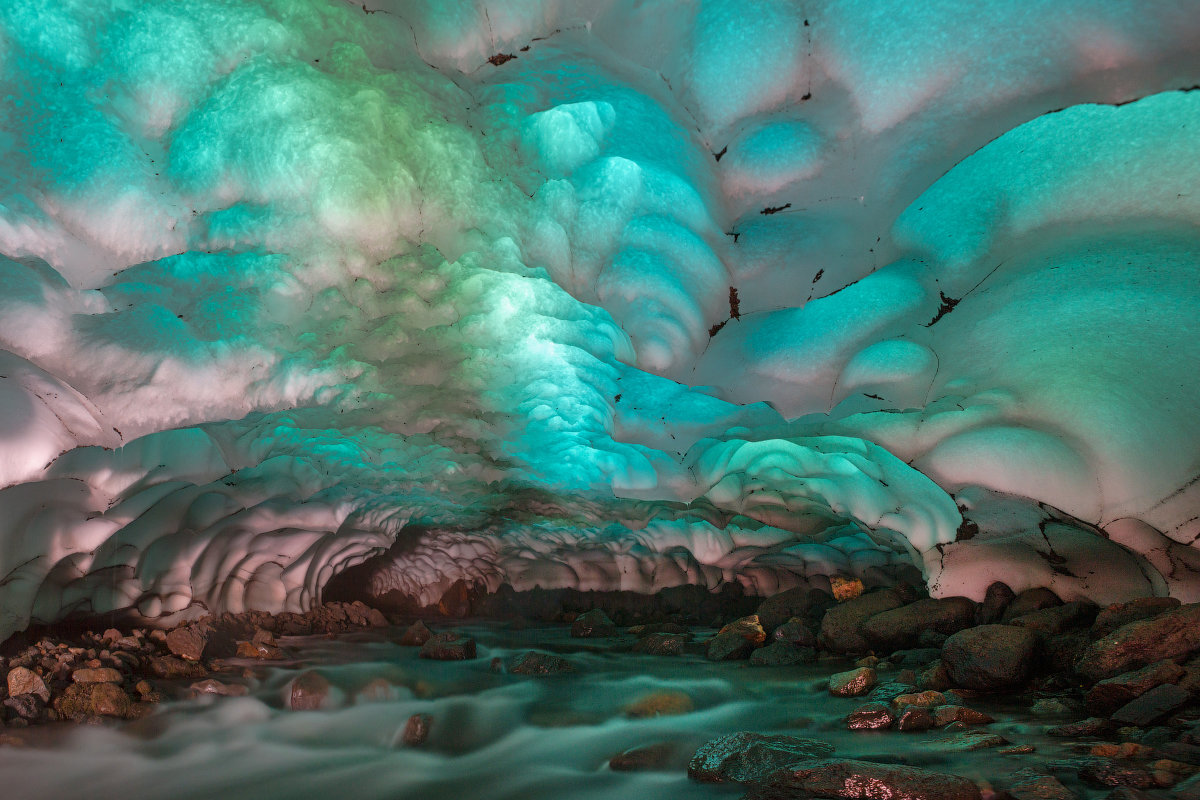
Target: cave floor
pixel 492 734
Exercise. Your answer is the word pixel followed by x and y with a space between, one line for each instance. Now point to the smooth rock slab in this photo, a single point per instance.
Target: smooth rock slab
pixel 863 780
pixel 187 643
pixel 1112 693
pixel 749 757
pixel 22 680
pixel 902 627
pixel 1152 706
pixel 1170 635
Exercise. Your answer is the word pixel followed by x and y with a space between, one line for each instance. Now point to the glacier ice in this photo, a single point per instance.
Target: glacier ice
pixel 611 295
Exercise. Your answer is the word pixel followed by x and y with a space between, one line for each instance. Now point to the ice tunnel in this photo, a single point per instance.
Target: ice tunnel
pixel 600 294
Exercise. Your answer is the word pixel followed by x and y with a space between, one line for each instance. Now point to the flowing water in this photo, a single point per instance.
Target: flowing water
pixel 493 735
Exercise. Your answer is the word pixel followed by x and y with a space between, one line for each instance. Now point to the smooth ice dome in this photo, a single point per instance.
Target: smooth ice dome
pixel 611 295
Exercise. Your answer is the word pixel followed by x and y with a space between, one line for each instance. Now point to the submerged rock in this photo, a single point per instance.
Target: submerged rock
pixel 747 757
pixel 593 624
pixel 660 704
pixel 448 646
pixel 416 635
pixel 864 779
pixel 416 730
pixel 308 691
pixel 643 758
pixel 535 663
pixel 660 644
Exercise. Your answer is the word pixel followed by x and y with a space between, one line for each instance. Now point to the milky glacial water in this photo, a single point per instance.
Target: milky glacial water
pixel 494 736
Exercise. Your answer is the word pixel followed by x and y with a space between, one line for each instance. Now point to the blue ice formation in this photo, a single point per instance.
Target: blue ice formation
pixel 613 295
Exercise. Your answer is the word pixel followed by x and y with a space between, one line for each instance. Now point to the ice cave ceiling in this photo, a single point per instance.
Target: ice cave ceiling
pixel 605 294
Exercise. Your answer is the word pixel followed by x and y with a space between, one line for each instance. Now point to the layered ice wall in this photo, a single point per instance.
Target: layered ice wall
pixel 613 295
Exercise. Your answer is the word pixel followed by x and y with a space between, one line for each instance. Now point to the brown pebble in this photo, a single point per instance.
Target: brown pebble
pixel 416 730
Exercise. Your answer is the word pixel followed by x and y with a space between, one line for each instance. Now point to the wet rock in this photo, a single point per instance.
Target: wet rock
pixel 93 700
pixel 448 646
pixel 901 627
pixel 853 683
pixel 840 626
pixel 747 757
pixel 1107 772
pixel 416 730
pixel 647 757
pixel 660 704
pixel 187 642
pixel 1092 726
pixel 1060 652
pixel 308 691
pixel 535 663
pixel 862 779
pixel 1112 693
pixel 887 692
pixel 29 706
pixel 1121 614
pixel 214 687
pixel 416 635
pixel 660 644
pixel 916 658
pixel 872 716
pixel 934 677
pixel 1172 635
pixel 795 632
pixel 926 699
pixel 945 714
pixel 737 640
pixel 1031 785
pixel 22 680
pixel 914 719
pixel 96 675
pixel 1030 600
pixel 1057 619
pixel 593 624
pixel 989 656
pixel 969 741
pixel 996 599
pixel 171 667
pixel 779 654
pixel 1152 706
pixel 1052 707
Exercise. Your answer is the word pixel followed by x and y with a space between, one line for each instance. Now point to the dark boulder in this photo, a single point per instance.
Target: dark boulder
pixel 778 654
pixel 1120 614
pixel 593 624
pixel 660 644
pixel 1058 619
pixel 995 601
pixel 1171 635
pixel 863 779
pixel 535 663
pixel 902 627
pixel 448 646
pixel 840 626
pixel 750 757
pixel 990 656
pixel 1030 600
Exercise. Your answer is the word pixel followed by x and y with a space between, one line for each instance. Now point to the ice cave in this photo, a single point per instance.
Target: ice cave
pixel 600 399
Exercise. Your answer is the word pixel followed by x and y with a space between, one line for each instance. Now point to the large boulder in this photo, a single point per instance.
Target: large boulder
pixel 1054 620
pixel 737 640
pixel 1121 614
pixel 840 627
pixel 902 627
pixel 1171 635
pixel 990 656
pixel 799 602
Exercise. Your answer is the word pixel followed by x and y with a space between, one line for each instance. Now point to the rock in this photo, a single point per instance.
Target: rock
pixel 845 588
pixel 1052 707
pixel 926 699
pixel 1030 600
pixel 1121 614
pixel 416 635
pixel 660 644
pixel 854 683
pixel 593 624
pixel 309 691
pixel 171 667
pixel 840 625
pixel 1178 751
pixel 1092 726
pixel 779 654
pixel 29 706
pixel 969 741
pixel 795 632
pixel 448 646
pixel 1189 789
pixel 1152 706
pixel 779 608
pixel 1171 635
pixel 456 600
pixel 887 692
pixel 376 619
pixel 917 657
pixel 642 631
pixel 989 656
pixel 914 719
pixel 931 640
pixel 1107 772
pixel 747 757
pixel 261 649
pixel 22 680
pixel 660 704
pixel 1031 785
pixel 211 686
pixel 93 700
pixel 945 714
pixel 97 675
pixel 934 677
pixel 416 730
pixel 646 757
pixel 535 663
pixel 1057 619
pixel 901 627
pixel 736 640
pixel 863 779
pixel 995 600
pixel 869 717
pixel 186 642
pixel 1112 693
pixel 1122 750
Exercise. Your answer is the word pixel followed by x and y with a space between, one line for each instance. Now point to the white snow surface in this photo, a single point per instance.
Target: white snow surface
pixel 604 294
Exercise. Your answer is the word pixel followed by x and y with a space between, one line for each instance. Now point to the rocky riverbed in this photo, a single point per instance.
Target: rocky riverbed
pixel 886 694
